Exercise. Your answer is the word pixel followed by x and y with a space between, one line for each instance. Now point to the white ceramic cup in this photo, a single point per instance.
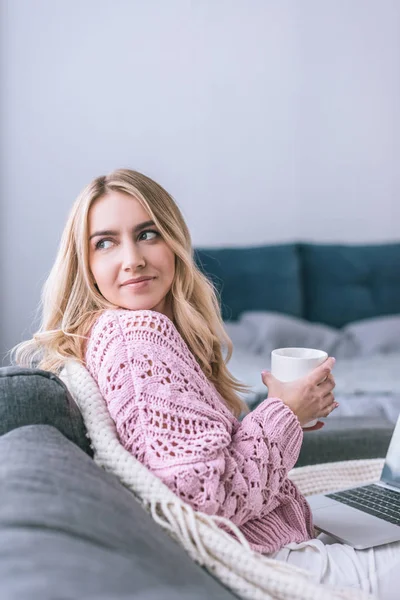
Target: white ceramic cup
pixel 289 364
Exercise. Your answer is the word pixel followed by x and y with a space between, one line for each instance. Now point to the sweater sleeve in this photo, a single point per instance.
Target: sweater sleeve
pixel 171 418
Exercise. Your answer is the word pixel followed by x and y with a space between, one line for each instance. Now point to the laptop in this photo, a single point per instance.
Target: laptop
pixel 366 515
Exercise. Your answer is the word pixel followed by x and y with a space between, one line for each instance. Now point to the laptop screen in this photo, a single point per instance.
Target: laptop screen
pixel 391 469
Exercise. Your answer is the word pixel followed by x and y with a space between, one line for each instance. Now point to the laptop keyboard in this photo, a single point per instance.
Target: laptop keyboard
pixel 374 500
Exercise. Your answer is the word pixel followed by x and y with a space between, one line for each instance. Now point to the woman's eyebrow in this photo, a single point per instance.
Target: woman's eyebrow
pixel 136 229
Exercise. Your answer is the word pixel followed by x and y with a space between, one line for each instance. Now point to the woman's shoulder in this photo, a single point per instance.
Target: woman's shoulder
pixel 121 325
pixel 128 320
pixel 141 333
pixel 116 330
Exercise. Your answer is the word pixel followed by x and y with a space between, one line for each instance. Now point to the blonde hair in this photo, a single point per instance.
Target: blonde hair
pixel 71 303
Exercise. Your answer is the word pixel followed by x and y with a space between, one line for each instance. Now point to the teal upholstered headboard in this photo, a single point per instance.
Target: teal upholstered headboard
pixel 256 278
pixel 343 283
pixel 328 283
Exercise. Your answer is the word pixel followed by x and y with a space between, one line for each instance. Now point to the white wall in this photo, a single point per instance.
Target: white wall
pixel 268 121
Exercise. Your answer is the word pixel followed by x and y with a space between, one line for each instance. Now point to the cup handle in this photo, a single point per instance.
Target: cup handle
pixel 310 424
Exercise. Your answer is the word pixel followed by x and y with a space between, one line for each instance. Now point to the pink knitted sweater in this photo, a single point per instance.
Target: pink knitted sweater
pixel 173 420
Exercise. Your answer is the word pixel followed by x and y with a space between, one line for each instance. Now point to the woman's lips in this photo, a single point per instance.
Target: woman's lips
pixel 138 285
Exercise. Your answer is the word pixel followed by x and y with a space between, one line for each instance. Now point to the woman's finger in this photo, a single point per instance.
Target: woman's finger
pixel 328 400
pixel 329 380
pixel 319 374
pixel 327 386
pixel 329 409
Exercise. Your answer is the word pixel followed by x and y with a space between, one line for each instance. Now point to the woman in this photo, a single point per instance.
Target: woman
pixel 126 298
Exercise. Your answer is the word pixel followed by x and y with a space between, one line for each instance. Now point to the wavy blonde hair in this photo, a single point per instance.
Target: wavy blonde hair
pixel 71 303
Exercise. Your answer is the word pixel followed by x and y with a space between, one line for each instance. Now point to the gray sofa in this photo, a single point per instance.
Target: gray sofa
pixel 70 530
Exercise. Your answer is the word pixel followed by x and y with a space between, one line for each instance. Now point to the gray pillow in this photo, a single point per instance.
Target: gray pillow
pixel 258 333
pixel 261 332
pixel 380 335
pixel 68 529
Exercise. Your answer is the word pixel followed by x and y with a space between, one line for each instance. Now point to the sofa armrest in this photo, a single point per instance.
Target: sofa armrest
pixel 344 439
pixel 36 397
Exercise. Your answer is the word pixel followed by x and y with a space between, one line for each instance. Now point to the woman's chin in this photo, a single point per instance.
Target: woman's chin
pixel 136 306
pixel 141 305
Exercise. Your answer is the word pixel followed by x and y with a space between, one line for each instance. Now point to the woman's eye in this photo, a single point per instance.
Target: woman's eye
pixel 152 234
pixel 100 244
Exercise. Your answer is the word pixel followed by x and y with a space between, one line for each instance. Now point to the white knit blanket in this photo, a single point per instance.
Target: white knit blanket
pixel 248 574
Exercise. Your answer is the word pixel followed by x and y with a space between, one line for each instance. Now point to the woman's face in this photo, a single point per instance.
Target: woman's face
pixel 125 245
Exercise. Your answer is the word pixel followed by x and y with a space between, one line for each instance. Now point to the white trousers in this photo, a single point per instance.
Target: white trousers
pixel 374 570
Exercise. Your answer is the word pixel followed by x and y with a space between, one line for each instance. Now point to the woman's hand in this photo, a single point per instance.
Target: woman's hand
pixel 310 397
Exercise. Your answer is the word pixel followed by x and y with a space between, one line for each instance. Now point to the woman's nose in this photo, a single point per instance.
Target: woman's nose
pixel 132 257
